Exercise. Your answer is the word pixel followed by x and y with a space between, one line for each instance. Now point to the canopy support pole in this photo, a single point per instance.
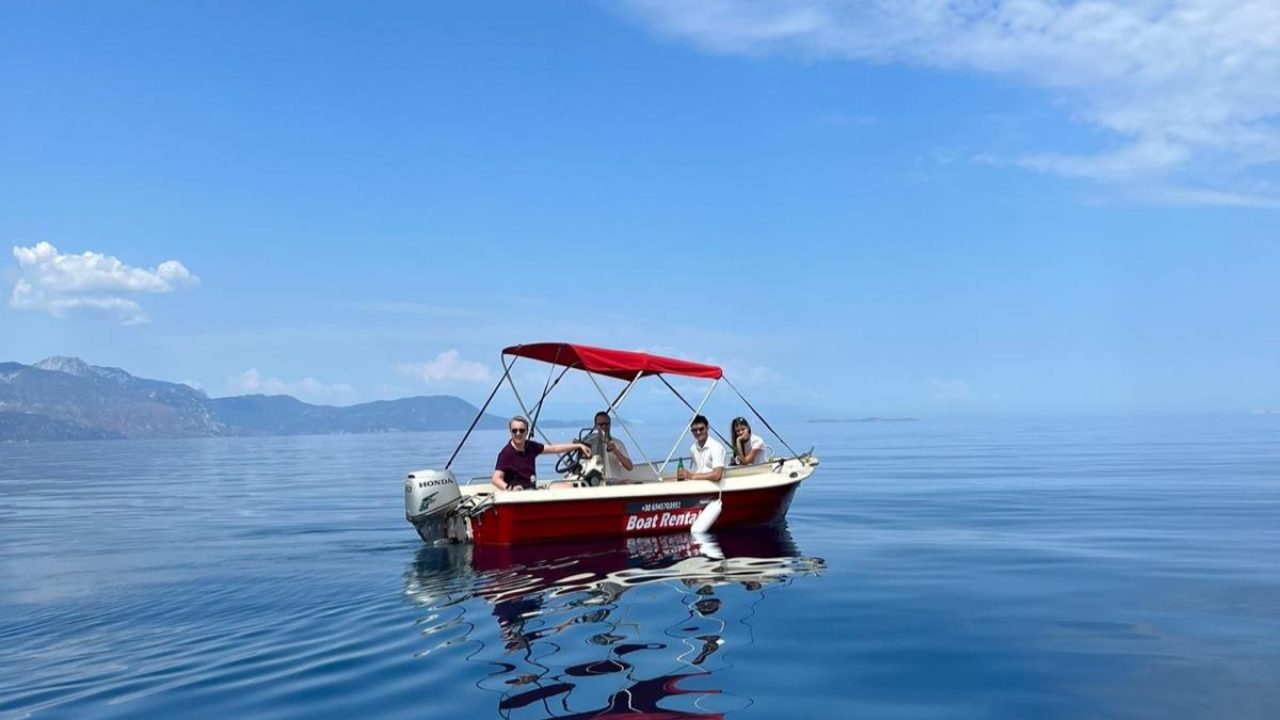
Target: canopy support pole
pixel 506 372
pixel 520 401
pixel 523 410
pixel 537 409
pixel 761 417
pixel 696 411
pixel 613 408
pixel 546 390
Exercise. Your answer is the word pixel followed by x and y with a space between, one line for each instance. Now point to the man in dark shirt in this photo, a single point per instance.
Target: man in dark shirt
pixel 517 464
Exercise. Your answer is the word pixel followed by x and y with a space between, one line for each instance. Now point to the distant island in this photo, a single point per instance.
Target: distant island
pixel 64 398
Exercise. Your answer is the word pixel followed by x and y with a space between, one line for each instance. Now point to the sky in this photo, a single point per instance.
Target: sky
pixel 857 209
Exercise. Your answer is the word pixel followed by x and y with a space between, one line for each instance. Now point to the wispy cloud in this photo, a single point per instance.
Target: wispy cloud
pixel 309 389
pixel 61 284
pixel 1176 83
pixel 738 371
pixel 393 307
pixel 951 391
pixel 743 373
pixel 447 366
pixel 1260 197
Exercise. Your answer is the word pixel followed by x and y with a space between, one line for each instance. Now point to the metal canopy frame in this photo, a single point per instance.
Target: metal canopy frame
pixel 553 380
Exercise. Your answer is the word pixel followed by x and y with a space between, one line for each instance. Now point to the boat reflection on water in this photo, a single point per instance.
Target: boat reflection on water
pixel 636 627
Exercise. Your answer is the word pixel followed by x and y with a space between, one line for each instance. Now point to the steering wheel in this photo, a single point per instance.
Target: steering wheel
pixel 570 461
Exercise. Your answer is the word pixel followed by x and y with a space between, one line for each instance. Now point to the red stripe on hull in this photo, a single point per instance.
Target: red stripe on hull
pixel 541 522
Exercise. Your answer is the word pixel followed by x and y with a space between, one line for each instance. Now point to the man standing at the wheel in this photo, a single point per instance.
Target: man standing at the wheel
pixel 517 466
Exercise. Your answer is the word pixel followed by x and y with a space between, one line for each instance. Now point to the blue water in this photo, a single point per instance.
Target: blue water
pixel 1100 568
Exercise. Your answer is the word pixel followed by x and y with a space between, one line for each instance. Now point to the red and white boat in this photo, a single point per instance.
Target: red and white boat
pixel 584 504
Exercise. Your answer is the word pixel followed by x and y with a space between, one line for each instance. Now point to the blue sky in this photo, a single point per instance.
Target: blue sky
pixel 858 209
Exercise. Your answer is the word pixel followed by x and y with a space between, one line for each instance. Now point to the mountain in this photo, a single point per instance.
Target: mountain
pixel 104 400
pixel 63 398
pixel 30 427
pixel 284 415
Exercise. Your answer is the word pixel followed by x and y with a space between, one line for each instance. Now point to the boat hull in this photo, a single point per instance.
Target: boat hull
pixel 634 516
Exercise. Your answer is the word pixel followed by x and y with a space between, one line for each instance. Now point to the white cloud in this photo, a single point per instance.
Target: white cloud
pixel 1261 197
pixel 663 350
pixel 739 372
pixel 61 284
pixel 251 382
pixel 448 365
pixel 1178 84
pixel 951 390
pixel 742 373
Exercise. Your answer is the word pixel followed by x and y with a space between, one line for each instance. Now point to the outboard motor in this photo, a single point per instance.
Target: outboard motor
pixel 429 496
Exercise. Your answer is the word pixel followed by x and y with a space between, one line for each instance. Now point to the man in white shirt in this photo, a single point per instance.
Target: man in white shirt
pixel 707 453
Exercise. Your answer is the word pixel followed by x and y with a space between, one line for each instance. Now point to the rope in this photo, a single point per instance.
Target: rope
pixel 761 418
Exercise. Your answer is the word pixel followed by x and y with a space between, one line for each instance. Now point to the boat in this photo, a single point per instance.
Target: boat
pixel 583 502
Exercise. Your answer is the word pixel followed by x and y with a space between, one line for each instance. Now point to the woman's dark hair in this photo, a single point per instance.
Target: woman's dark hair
pixel 739 446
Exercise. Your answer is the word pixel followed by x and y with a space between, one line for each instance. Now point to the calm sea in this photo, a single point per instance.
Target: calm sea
pixel 1099 568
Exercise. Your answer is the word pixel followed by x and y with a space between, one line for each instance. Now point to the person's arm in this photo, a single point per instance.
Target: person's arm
pixel 499 481
pixel 620 452
pixel 717 464
pixel 714 474
pixel 752 456
pixel 566 447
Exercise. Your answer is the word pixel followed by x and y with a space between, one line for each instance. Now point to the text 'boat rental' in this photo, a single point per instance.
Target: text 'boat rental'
pixel 591 499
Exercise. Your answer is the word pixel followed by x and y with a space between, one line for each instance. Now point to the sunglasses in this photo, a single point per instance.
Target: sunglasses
pixel 699 429
pixel 519 431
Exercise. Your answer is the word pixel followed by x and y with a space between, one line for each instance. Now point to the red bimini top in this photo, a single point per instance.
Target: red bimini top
pixel 621 364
